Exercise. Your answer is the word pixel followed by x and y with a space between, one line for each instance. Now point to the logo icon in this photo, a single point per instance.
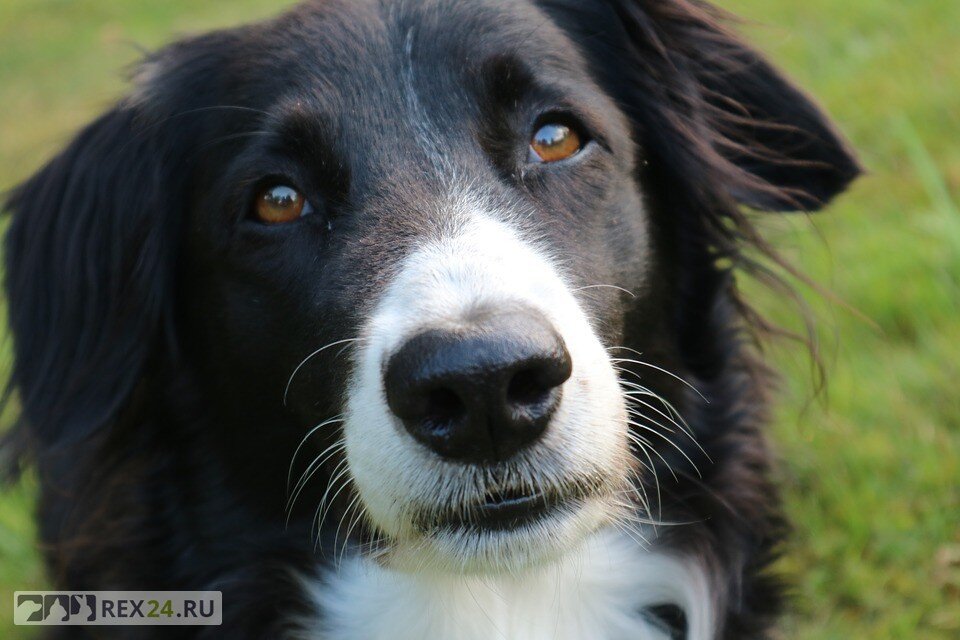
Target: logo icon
pixel 52 608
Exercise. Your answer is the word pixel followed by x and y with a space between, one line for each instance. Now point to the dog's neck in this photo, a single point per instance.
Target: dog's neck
pixel 601 591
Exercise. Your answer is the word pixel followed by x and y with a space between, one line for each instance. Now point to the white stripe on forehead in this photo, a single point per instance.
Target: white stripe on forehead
pixel 475 261
pixel 418 115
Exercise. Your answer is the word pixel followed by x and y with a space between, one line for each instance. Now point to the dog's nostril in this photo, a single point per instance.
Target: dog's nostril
pixel 443 406
pixel 528 387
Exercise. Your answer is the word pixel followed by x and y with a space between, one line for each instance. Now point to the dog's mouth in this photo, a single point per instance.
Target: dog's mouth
pixel 509 509
pixel 503 511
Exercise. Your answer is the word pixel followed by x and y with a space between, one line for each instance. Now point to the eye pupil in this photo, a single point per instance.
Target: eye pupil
pixel 553 142
pixel 279 204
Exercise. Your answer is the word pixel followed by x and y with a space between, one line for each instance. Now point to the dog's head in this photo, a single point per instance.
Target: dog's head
pixel 428 236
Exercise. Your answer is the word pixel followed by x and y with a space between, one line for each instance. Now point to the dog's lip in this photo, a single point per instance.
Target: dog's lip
pixel 505 507
pixel 504 512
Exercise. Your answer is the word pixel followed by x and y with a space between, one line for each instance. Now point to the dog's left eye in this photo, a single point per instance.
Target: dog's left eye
pixel 281 203
pixel 553 141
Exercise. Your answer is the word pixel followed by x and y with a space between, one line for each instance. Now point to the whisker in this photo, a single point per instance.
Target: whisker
pixel 333 498
pixel 648 446
pixel 361 513
pixel 311 470
pixel 642 390
pixel 637 395
pixel 637 413
pixel 653 366
pixel 653 471
pixel 333 420
pixel 663 523
pixel 665 438
pixel 634 389
pixel 682 426
pixel 607 286
pixel 629 515
pixel 337 474
pixel 286 391
pixel 346 538
pixel 631 533
pixel 640 492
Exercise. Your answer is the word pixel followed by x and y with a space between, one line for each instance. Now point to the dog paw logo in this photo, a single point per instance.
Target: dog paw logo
pixel 52 609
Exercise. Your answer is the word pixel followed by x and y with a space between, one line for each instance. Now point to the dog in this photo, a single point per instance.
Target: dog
pixel 419 320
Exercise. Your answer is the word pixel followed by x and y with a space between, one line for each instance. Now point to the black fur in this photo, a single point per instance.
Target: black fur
pixel 155 325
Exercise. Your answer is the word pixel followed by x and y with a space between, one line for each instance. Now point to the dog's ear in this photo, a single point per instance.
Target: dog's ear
pixel 88 267
pixel 740 120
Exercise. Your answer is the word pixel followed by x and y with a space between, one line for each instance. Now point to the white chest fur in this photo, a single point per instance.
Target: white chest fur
pixel 595 593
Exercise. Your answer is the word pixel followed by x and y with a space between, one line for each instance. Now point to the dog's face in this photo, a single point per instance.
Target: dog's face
pixel 427 228
pixel 451 193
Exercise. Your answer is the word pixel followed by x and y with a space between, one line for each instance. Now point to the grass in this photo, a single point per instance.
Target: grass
pixel 872 473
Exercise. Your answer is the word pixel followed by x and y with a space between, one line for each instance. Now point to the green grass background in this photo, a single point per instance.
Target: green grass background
pixel 872 471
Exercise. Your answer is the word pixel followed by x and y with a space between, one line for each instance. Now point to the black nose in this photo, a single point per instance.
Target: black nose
pixel 482 392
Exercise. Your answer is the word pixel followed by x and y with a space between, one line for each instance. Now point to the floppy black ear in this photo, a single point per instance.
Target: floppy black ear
pixel 737 113
pixel 87 260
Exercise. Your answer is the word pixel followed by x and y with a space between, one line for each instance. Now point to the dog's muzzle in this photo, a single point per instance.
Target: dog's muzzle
pixel 485 425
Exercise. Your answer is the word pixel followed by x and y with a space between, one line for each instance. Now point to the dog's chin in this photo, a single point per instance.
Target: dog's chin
pixel 505 536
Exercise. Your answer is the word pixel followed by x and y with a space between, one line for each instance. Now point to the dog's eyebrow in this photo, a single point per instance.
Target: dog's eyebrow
pixel 303 132
pixel 305 125
pixel 507 78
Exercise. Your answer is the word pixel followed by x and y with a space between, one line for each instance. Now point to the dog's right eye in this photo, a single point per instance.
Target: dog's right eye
pixel 280 204
pixel 554 141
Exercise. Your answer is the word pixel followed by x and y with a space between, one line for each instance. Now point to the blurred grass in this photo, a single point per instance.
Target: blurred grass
pixel 872 473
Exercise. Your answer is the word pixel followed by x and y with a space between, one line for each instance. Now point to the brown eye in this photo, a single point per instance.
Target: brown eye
pixel 553 142
pixel 279 204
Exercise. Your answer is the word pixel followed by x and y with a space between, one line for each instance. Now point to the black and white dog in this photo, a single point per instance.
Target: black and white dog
pixel 402 319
